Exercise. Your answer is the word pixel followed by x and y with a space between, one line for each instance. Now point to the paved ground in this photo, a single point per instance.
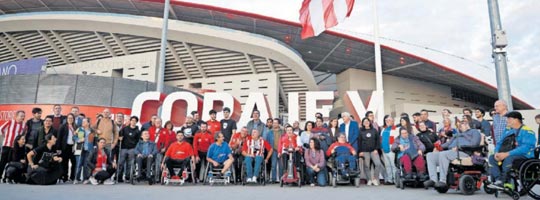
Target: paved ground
pixel 274 192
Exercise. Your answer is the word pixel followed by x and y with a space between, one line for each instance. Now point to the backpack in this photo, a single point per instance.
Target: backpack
pixel 509 142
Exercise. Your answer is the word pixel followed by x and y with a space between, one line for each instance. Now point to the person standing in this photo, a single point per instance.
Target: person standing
pixel 78 117
pixel 255 122
pixel 228 125
pixel 65 145
pixel 499 120
pixel 214 125
pixel 57 117
pixel 129 136
pixel 350 128
pixel 369 142
pixel 10 130
pixel 189 129
pixel 33 126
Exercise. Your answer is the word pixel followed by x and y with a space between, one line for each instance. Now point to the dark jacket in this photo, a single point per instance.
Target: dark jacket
pixel 369 140
pixel 91 159
pixel 29 126
pixel 39 139
pixel 63 119
pixel 353 134
pixel 62 137
pixel 428 138
pixel 130 137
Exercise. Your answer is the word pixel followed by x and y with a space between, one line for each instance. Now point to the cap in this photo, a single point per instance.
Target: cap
pixel 515 115
pixel 226 109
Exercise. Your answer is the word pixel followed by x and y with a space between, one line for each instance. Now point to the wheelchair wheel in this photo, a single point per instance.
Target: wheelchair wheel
pixel 402 184
pixel 487 189
pixel 467 184
pixel 397 180
pixel 132 173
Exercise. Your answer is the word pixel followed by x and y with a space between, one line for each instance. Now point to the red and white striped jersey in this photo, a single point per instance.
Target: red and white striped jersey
pixel 10 130
pixel 256 147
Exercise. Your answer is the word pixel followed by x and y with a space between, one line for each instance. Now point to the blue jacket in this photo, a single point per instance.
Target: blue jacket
pixel 526 142
pixel 152 148
pixel 353 133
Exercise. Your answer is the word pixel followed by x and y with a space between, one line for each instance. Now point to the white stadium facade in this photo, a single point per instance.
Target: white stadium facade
pixel 226 50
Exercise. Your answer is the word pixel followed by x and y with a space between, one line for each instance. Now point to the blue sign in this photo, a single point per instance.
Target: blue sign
pixel 30 66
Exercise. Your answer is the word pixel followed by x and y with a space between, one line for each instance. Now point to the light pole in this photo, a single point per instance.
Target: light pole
pixel 498 44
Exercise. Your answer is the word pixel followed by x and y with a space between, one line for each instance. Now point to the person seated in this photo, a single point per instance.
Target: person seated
pixel 15 169
pixel 253 151
pixel 288 145
pixel 220 154
pixel 344 153
pixel 410 150
pixel 100 164
pixel 518 142
pixel 44 163
pixel 427 137
pixel 238 140
pixel 315 163
pixel 466 138
pixel 145 150
pixel 180 155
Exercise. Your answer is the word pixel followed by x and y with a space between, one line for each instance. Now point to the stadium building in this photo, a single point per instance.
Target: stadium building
pixel 210 48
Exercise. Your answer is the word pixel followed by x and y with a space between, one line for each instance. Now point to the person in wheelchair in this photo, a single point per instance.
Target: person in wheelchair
pixel 179 154
pixel 287 145
pixel 237 141
pixel 518 142
pixel 145 150
pixel 409 151
pixel 253 151
pixel 343 153
pixel 220 154
pixel 466 138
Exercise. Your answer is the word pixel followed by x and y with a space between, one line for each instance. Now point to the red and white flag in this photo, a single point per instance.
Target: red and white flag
pixel 319 15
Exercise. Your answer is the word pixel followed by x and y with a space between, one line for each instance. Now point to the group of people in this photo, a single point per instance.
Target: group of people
pixel 74 149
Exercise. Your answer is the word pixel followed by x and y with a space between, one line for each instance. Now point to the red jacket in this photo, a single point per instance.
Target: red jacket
pixel 152 132
pixel 237 140
pixel 166 138
pixel 202 141
pixel 285 143
pixel 214 126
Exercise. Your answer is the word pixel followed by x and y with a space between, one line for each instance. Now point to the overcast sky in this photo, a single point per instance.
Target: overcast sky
pixel 456 27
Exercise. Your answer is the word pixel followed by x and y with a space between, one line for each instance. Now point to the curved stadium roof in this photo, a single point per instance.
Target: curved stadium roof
pixel 331 52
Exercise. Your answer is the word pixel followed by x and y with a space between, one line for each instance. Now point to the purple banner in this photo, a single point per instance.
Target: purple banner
pixel 30 66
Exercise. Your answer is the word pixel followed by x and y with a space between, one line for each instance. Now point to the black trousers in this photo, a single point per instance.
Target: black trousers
pixel 104 175
pixel 172 163
pixel 67 157
pixel 5 158
pixel 199 166
pixel 44 176
pixel 15 171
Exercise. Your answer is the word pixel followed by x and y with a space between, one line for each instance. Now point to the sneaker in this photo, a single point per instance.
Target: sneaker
pixel 312 185
pixel 85 182
pixel 249 180
pixel 376 182
pixel 75 182
pixel 254 179
pixel 429 183
pixel 93 181
pixel 369 182
pixel 497 185
pixel 108 182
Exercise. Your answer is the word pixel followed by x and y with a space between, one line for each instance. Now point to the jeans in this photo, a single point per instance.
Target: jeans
pixel 506 167
pixel 321 176
pixel 390 166
pixel 81 163
pixel 125 153
pixel 276 169
pixel 250 171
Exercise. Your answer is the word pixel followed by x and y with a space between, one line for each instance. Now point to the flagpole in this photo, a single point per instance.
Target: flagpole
pixel 378 64
pixel 161 71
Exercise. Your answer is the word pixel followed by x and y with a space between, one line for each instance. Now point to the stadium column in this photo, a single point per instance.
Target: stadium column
pixel 162 52
pixel 378 64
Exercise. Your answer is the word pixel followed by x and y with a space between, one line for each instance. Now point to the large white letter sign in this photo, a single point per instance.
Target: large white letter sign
pixel 323 99
pixel 177 105
pixel 356 107
pixel 294 107
pixel 218 101
pixel 255 98
pixel 147 104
